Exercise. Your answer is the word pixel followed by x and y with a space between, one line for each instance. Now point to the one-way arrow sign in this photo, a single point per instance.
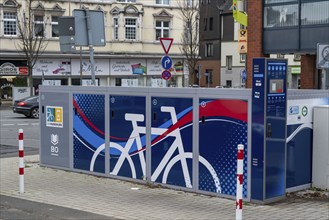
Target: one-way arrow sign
pixel 166 43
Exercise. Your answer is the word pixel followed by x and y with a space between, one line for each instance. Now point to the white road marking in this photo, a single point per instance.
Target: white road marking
pixel 35 124
pixel 7 124
pixel 22 124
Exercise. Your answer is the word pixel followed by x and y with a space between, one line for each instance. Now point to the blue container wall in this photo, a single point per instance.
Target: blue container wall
pixel 300 140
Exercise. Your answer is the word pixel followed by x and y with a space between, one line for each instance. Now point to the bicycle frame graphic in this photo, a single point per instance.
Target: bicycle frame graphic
pixel 167 162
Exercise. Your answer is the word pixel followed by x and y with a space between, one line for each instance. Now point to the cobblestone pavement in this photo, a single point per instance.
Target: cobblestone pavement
pixel 119 199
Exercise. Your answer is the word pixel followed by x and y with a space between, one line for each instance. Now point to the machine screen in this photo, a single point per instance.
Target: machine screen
pixel 276 86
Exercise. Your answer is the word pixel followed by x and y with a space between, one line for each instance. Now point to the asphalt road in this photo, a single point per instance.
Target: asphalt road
pixel 10 123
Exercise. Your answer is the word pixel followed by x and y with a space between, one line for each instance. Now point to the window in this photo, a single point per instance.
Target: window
pixel 38 26
pixel 297 57
pixel 228 83
pixel 54 26
pixel 211 24
pixel 208 75
pixel 130 28
pixel 116 28
pixel 209 50
pixel 315 13
pixel 162 2
pixel 281 16
pixel 9 23
pixel 205 21
pixel 243 58
pixel 126 1
pixel 229 62
pixel 162 29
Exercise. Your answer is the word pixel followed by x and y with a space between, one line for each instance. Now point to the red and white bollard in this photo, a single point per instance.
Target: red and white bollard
pixel 239 184
pixel 21 160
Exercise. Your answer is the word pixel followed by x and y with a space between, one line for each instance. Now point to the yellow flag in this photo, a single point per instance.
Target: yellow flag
pixel 240 16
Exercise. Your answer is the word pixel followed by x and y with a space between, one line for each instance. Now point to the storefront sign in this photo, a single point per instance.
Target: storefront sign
pixel 295 70
pixel 101 66
pixel 124 67
pixel 242 41
pixel 9 68
pixel 51 67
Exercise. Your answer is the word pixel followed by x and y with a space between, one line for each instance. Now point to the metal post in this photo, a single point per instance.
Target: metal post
pixel 91 49
pixel 21 160
pixel 239 183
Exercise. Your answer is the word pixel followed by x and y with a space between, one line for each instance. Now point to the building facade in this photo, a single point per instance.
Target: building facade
pixel 131 56
pixel 210 43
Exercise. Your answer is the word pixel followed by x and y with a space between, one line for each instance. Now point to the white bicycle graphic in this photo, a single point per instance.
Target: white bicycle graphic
pixel 166 163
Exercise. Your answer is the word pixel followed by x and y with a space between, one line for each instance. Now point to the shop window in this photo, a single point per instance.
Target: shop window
pixel 161 29
pixel 10 23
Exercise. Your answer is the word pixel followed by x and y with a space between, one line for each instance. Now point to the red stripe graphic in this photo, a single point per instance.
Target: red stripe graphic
pixel 20 136
pixel 21 171
pixel 84 117
pixel 21 153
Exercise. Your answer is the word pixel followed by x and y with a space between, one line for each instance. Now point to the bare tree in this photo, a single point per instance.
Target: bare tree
pixel 190 42
pixel 32 42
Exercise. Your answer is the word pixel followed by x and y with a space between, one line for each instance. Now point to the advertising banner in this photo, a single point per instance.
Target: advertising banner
pixel 51 67
pixel 124 67
pixel 101 66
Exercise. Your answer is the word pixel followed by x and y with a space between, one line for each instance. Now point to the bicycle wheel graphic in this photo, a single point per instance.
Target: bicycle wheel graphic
pixel 203 161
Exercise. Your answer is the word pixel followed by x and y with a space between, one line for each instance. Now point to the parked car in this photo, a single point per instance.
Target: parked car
pixel 28 106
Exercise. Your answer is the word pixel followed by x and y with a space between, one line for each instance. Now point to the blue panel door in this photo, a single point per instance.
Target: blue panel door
pixel 171 152
pixel 89 132
pixel 127 136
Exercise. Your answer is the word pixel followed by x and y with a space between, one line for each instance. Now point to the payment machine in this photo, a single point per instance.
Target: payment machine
pixel 269 106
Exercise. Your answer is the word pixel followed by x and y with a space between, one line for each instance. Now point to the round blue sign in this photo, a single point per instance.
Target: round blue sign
pixel 166 62
pixel 166 75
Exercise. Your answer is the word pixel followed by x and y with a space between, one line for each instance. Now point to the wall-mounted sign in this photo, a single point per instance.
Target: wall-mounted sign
pixel 101 67
pixel 124 67
pixel 12 68
pixel 242 41
pixel 51 67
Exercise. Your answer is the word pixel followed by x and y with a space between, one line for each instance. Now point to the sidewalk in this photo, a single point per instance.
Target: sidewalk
pixel 115 198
